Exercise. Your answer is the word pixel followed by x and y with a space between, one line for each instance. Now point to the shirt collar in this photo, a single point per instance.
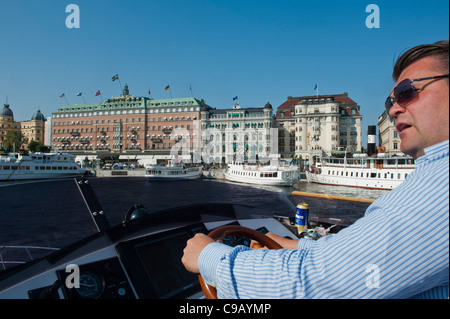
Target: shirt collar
pixel 435 152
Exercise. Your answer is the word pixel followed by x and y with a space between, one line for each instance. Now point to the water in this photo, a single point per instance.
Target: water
pixel 53 213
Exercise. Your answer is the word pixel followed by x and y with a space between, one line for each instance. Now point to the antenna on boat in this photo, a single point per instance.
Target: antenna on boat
pixel 92 203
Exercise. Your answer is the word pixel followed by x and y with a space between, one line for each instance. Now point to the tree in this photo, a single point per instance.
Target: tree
pixel 33 146
pixel 14 140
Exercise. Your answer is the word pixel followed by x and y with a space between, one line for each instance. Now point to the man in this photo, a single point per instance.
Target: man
pixel 399 249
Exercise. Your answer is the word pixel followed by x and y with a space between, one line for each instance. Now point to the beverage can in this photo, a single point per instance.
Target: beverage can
pixel 301 217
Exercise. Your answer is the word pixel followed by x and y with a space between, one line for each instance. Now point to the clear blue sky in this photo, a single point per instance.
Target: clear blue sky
pixel 257 50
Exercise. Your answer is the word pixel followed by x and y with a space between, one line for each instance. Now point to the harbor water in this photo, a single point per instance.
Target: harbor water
pixel 53 213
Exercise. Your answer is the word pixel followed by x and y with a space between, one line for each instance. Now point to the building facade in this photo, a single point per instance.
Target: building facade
pixel 237 134
pixel 388 135
pixel 316 124
pixel 126 124
pixel 32 130
pixel 7 123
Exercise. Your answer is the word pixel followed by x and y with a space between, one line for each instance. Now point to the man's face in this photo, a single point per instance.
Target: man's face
pixel 425 120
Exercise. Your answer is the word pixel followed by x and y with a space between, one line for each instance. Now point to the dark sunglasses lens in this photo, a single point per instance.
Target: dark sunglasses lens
pixel 388 104
pixel 404 92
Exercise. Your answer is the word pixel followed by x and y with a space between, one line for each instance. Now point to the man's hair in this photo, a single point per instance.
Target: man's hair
pixel 438 50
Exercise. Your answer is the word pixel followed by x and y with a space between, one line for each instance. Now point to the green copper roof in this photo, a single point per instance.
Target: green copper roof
pixel 129 102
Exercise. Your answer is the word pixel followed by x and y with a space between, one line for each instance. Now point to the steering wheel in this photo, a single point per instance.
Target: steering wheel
pixel 211 292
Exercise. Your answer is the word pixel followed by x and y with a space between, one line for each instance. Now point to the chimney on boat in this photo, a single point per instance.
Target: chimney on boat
pixel 371 138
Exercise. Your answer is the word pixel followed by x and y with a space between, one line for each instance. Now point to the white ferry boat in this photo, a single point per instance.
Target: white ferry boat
pixel 274 175
pixel 172 172
pixel 380 172
pixel 25 166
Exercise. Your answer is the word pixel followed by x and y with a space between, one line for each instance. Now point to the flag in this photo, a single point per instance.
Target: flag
pixel 315 87
pixel 62 95
pixel 167 88
pixel 79 94
pixel 149 93
pixel 235 98
pixel 115 77
pixel 98 93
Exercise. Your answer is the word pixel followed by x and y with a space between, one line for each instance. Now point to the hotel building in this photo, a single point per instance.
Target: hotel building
pixel 127 126
pixel 316 124
pixel 237 134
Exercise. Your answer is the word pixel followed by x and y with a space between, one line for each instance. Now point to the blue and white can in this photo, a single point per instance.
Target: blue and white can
pixel 301 217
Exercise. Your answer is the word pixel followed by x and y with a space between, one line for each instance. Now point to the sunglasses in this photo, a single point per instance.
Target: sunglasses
pixel 404 92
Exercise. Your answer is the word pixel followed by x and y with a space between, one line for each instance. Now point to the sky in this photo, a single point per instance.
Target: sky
pixel 257 50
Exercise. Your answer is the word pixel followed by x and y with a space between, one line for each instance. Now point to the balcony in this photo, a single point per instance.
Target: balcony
pixel 75 133
pixel 156 140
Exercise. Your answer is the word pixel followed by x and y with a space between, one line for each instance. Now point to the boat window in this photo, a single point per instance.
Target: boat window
pixel 373 175
pixel 6 168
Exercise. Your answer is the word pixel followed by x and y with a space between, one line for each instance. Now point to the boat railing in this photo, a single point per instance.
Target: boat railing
pixel 21 254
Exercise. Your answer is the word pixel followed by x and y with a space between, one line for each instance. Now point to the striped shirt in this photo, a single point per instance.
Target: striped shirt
pixel 399 249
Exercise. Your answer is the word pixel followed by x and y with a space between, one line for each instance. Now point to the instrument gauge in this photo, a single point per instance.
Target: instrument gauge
pixel 92 285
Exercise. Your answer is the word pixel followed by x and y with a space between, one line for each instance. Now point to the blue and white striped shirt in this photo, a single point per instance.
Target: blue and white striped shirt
pixel 399 249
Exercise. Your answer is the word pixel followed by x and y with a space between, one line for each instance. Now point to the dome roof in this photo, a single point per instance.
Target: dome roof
pixel 6 111
pixel 268 105
pixel 38 116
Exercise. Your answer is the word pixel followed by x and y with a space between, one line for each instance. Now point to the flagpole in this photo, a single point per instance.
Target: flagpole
pixel 120 83
pixel 65 98
pixel 190 88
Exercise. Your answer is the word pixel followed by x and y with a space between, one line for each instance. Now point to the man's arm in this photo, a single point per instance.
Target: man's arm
pixel 194 247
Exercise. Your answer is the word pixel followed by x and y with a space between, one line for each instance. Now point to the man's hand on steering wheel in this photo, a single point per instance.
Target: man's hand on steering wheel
pixel 196 244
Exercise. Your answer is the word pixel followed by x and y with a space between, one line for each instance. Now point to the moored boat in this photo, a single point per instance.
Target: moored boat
pixel 27 166
pixel 172 172
pixel 378 172
pixel 272 174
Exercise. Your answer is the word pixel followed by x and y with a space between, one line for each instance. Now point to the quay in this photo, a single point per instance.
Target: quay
pixel 215 173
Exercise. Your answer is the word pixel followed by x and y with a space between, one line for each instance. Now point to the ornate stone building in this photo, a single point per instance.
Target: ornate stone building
pixel 32 130
pixel 312 124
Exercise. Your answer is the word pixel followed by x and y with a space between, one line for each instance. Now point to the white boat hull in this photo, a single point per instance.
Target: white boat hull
pixel 39 166
pixel 275 177
pixel 33 176
pixel 381 179
pixel 162 173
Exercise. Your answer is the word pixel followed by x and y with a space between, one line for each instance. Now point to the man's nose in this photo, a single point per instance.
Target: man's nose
pixel 396 110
